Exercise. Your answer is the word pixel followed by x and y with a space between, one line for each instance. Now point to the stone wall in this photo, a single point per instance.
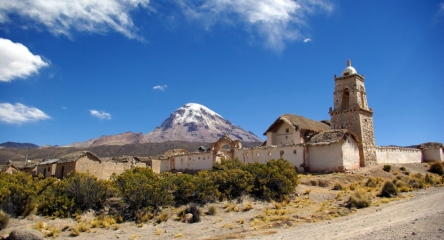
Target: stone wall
pixel 398 155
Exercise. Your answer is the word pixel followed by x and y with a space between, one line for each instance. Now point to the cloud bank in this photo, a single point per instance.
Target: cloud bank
pixel 19 113
pixel 277 21
pixel 100 115
pixel 16 61
pixel 159 87
pixel 61 16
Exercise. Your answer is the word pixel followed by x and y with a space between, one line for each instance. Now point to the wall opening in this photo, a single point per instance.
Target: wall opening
pixel 345 99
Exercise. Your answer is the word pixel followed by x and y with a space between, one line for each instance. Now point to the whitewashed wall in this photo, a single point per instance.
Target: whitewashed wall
pixel 325 158
pixel 193 161
pixel 293 154
pixel 282 137
pixel 398 155
pixel 350 151
pixel 432 155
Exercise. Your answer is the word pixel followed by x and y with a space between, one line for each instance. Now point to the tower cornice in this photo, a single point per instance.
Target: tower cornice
pixel 350 76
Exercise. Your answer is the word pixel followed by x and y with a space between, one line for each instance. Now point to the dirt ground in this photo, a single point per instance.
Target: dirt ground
pixel 315 211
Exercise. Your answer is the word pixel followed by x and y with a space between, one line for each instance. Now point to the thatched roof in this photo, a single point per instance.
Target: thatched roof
pixel 299 123
pixel 331 136
pixel 430 145
pixel 173 152
pixel 72 157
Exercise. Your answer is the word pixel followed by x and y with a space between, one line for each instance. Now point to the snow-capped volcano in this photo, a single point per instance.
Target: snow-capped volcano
pixel 196 123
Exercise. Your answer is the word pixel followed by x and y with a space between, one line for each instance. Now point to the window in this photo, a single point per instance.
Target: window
pixel 286 137
pixel 294 151
pixel 345 99
pixel 287 130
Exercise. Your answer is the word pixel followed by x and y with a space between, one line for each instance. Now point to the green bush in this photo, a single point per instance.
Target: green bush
pixel 388 189
pixel 141 188
pixel 87 191
pixel 387 168
pixel 274 179
pixel 226 164
pixel 19 192
pixel 437 168
pixel 232 183
pixel 188 188
pixel 55 201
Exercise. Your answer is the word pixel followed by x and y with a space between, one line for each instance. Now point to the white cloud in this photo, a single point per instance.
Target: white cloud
pixel 19 113
pixel 307 40
pixel 159 87
pixel 441 9
pixel 62 16
pixel 101 115
pixel 16 61
pixel 277 21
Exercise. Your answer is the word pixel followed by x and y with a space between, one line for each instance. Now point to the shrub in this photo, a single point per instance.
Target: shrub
pixel 55 201
pixel 371 182
pixel 232 183
pixel 337 186
pixel 402 168
pixel 4 220
pixel 358 199
pixel 141 188
pixel 212 210
pixel 388 189
pixel 19 192
pixel 193 209
pixel 387 168
pixel 87 191
pixel 437 168
pixel 274 179
pixel 188 188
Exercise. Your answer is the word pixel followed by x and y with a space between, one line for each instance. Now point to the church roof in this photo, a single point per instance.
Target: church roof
pixel 349 70
pixel 299 122
pixel 331 136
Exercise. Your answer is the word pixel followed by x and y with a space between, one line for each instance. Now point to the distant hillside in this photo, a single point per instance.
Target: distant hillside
pixel 143 150
pixel 18 145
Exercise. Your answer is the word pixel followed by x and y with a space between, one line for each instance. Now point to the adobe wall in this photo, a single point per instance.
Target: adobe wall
pixel 108 168
pixel 293 154
pixel 67 168
pixel 160 166
pixel 326 158
pixel 433 155
pixel 398 155
pixel 192 162
pixel 85 164
pixel 282 137
pixel 47 170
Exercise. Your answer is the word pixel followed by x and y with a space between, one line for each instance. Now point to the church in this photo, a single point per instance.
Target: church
pixel 343 144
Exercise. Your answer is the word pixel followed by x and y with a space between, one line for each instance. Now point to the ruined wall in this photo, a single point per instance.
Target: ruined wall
pixel 433 155
pixel 192 162
pixel 292 153
pixel 398 155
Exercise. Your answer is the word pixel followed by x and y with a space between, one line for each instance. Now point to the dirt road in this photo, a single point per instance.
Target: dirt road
pixel 420 217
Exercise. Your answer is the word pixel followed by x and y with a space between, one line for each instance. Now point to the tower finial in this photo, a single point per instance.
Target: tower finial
pixel 349 63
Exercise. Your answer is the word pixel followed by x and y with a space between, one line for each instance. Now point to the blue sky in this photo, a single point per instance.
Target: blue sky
pixel 75 70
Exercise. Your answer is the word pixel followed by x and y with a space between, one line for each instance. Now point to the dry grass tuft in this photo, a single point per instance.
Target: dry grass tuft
pixel 212 210
pixel 163 217
pixel 4 220
pixel 248 207
pixel 158 231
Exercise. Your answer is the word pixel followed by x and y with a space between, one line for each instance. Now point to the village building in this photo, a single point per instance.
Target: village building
pixel 343 144
pixel 8 169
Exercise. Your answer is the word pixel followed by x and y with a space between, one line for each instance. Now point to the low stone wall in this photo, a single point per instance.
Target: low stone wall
pixel 398 155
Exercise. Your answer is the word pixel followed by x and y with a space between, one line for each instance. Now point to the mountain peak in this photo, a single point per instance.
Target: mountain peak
pixel 194 122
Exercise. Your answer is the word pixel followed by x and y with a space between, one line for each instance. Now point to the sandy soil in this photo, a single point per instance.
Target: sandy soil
pixel 314 212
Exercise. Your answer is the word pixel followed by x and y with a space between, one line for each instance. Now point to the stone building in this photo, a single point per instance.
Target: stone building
pixel 344 143
pixel 351 112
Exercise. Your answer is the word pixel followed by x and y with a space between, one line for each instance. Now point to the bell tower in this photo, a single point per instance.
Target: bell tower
pixel 351 112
